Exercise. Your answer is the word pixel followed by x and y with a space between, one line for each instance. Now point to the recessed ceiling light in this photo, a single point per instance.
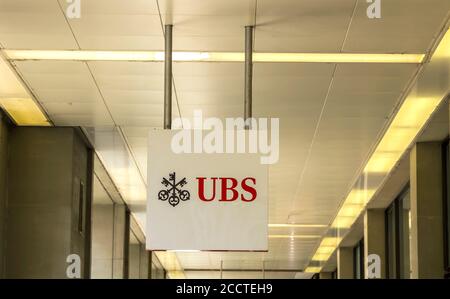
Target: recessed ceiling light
pixel 409 120
pixel 312 270
pixel 24 111
pixel 321 257
pixel 16 101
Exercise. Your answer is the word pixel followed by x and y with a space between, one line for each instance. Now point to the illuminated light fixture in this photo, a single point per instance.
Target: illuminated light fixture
pixel 399 139
pixel 83 55
pixel 24 111
pixel 359 196
pixel 326 250
pixel 321 257
pixel 382 162
pixel 338 57
pixel 170 262
pixel 10 86
pixel 350 210
pixel 181 56
pixel 127 180
pixel 343 222
pixel 294 236
pixel 176 274
pixel 443 50
pixel 410 119
pixel 407 123
pixel 297 225
pixel 16 101
pixel 330 242
pixel 313 269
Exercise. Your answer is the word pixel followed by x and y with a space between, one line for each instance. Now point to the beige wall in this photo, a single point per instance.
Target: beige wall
pixel 134 261
pixel 102 240
pixel 48 169
pixel 427 235
pixel 345 263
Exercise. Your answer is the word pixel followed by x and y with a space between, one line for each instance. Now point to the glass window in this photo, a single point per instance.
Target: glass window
pixel 447 209
pixel 404 235
pixel 391 236
pixel 398 237
pixel 358 260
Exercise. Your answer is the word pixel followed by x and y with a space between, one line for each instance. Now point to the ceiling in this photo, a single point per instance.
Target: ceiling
pixel 330 115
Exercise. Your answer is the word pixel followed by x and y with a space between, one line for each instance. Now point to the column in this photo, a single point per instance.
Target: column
pixel 49 201
pixel 102 237
pixel 121 241
pixel 345 263
pixel 427 236
pixel 145 263
pixel 374 243
pixel 4 130
pixel 134 261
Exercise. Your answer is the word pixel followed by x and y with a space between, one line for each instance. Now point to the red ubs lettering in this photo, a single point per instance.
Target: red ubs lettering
pixel 228 190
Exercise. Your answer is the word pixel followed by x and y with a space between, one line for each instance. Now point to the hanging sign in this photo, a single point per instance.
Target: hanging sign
pixel 204 201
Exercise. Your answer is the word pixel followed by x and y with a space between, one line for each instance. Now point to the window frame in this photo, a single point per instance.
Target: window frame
pixel 394 208
pixel 358 260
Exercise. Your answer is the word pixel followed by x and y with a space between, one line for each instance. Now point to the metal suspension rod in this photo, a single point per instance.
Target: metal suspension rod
pixel 248 74
pixel 168 78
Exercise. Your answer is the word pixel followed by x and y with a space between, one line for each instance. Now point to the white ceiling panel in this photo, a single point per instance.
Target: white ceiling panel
pixel 405 26
pixel 302 25
pixel 31 24
pixel 213 25
pixel 117 25
pixel 67 92
pixel 133 92
pixel 214 88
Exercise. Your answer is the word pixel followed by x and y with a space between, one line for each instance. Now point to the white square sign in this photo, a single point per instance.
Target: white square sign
pixel 201 201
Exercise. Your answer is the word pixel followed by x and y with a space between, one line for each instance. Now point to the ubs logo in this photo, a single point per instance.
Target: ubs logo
pixel 222 189
pixel 174 192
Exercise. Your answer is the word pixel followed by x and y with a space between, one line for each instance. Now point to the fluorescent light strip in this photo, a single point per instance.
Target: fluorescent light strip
pixel 338 57
pixel 294 236
pixel 322 257
pixel 180 56
pixel 16 100
pixel 326 248
pixel 313 269
pixel 170 263
pixel 281 225
pixel 24 112
pixel 407 123
pixel 176 275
